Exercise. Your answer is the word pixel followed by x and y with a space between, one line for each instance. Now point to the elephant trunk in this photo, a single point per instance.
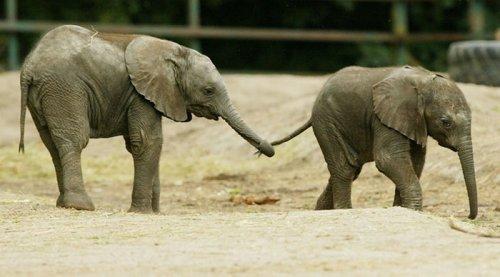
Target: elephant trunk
pixel 231 116
pixel 467 161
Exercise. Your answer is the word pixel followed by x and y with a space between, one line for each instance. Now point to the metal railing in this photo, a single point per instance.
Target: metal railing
pixel 399 35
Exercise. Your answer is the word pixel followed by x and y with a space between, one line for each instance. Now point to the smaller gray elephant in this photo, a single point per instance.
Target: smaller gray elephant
pixel 80 84
pixel 385 115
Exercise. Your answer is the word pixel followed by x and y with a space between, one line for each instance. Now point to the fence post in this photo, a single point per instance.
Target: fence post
pixel 12 40
pixel 194 21
pixel 400 29
pixel 476 18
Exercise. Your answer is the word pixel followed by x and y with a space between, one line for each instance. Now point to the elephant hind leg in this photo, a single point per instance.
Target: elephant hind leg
pixel 325 200
pixel 49 144
pixel 397 198
pixel 337 194
pixel 341 181
pixel 69 131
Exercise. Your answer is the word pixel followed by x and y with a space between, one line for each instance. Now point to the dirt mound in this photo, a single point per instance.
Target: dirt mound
pixel 37 238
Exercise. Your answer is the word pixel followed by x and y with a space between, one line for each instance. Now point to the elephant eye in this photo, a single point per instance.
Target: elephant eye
pixel 446 122
pixel 208 91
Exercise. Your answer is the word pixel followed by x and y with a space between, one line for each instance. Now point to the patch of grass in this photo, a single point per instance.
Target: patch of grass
pixel 234 192
pixel 35 165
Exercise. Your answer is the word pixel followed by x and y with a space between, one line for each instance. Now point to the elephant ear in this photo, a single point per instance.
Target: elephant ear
pixel 153 66
pixel 399 105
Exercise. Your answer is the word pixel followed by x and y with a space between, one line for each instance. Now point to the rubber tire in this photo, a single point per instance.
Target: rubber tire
pixel 475 62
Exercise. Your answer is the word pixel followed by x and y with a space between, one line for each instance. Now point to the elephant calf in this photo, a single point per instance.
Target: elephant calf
pixel 80 84
pixel 385 115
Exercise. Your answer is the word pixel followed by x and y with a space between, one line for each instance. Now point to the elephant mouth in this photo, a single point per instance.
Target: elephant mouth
pixel 201 111
pixel 449 146
pixel 443 141
pixel 212 117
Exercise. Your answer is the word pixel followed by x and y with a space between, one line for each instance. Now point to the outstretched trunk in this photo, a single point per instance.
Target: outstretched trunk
pixel 231 116
pixel 467 161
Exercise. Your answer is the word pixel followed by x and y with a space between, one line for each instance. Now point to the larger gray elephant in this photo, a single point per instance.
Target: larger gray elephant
pixel 385 115
pixel 80 84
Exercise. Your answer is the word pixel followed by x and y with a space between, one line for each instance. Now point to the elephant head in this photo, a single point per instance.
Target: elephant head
pixel 417 103
pixel 180 81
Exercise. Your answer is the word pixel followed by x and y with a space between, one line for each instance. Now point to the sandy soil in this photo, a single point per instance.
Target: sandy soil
pixel 204 163
pixel 45 240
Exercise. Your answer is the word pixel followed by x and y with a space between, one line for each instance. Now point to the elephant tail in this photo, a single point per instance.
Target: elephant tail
pixel 25 86
pixel 294 134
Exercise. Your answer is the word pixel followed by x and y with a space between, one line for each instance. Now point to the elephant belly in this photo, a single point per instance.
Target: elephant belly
pixel 354 125
pixel 109 118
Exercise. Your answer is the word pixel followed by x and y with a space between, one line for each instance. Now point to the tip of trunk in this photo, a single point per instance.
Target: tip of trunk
pixel 266 148
pixel 473 214
pixel 234 120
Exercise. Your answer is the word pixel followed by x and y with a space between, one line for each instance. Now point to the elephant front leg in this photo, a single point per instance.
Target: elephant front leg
pixel 408 192
pixel 156 193
pixel 417 153
pixel 146 194
pixel 397 198
pixel 144 142
pixel 392 153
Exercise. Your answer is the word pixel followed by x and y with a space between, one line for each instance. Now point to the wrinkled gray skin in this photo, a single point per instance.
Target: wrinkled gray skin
pixel 385 115
pixel 79 84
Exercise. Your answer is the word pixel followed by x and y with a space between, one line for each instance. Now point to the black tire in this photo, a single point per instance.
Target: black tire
pixel 475 62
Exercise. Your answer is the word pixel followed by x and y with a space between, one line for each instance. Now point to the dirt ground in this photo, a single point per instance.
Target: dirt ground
pixel 204 164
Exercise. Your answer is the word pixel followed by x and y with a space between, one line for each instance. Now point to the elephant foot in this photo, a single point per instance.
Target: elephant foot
pixel 141 209
pixel 156 205
pixel 324 205
pixel 78 201
pixel 415 205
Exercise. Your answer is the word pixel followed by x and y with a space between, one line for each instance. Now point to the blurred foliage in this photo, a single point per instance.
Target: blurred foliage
pixel 246 55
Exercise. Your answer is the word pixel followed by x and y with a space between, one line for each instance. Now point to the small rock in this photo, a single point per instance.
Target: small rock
pixel 253 200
